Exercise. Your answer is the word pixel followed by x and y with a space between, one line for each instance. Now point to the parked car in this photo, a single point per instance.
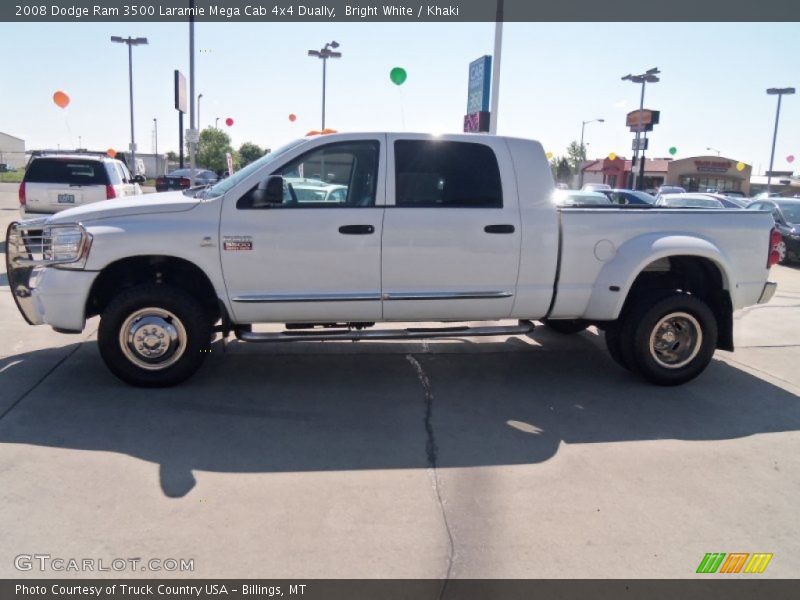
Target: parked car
pixel 666 190
pixel 786 213
pixel 689 201
pixel 307 191
pixel 580 198
pixel 55 183
pixel 453 228
pixel 180 179
pixel 595 187
pixel 630 197
pixel 726 201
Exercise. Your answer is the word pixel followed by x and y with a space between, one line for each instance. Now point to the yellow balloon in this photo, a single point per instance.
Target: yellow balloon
pixel 612 156
pixel 740 166
pixel 549 155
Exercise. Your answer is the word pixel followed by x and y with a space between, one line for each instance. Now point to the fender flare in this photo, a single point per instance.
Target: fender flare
pixel 614 282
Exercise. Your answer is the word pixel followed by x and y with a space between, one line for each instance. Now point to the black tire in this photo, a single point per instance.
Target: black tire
pixel 614 344
pixel 689 338
pixel 566 326
pixel 176 316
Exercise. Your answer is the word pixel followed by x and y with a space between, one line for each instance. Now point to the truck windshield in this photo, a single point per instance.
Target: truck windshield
pixel 224 185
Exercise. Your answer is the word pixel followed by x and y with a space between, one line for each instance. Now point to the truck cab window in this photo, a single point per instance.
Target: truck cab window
pixel 337 175
pixel 433 173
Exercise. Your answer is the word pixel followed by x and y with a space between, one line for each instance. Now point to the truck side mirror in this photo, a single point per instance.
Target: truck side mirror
pixel 138 179
pixel 267 193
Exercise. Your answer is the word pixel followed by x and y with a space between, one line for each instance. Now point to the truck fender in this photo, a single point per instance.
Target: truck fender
pixel 617 276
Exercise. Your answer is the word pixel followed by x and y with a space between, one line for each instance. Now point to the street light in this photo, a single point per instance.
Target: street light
pixel 324 54
pixel 648 76
pixel 713 150
pixel 779 92
pixel 583 151
pixel 155 143
pixel 131 42
pixel 199 96
pixel 216 123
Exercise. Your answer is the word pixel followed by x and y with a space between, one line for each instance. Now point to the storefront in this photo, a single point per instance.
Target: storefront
pixel 704 173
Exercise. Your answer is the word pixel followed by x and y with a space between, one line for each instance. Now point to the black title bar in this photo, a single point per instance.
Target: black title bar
pixel 281 11
pixel 709 587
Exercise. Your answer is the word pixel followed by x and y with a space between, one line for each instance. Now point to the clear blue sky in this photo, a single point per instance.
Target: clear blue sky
pixel 712 91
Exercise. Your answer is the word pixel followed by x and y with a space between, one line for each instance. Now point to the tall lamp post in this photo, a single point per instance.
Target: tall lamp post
pixel 648 76
pixel 131 42
pixel 583 151
pixel 324 54
pixel 713 150
pixel 155 143
pixel 779 92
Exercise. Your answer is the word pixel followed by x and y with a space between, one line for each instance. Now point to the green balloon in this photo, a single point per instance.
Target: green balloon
pixel 398 75
pixel 673 150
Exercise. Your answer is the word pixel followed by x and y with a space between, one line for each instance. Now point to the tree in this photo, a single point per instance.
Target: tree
pixel 576 156
pixel 211 150
pixel 563 171
pixel 172 156
pixel 248 152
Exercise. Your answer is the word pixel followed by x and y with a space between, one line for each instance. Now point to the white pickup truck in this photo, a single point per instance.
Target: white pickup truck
pixel 452 228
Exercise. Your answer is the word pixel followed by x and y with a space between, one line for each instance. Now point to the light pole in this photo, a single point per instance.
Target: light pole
pixel 583 150
pixel 155 143
pixel 324 54
pixel 131 42
pixel 779 92
pixel 199 96
pixel 216 123
pixel 713 150
pixel 648 76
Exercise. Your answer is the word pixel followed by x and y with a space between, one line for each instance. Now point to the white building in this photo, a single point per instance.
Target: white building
pixel 12 151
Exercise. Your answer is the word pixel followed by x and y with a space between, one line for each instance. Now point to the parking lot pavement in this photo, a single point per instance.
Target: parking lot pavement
pixel 530 456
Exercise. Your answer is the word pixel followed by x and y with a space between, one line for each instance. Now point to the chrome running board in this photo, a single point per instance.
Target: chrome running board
pixel 382 334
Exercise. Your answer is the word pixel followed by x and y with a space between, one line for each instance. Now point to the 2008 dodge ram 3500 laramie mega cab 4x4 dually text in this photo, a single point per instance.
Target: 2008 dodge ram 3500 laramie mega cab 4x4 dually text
pixel 332 234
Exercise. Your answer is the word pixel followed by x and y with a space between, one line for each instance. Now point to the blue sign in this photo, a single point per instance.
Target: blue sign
pixel 480 83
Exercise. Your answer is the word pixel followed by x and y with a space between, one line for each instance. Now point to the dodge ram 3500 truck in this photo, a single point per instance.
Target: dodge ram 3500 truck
pixel 452 228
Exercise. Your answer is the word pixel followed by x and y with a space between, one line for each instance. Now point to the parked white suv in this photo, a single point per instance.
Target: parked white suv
pixel 56 182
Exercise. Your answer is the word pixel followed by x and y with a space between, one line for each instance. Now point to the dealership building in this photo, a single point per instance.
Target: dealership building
pixel 696 173
pixel 12 151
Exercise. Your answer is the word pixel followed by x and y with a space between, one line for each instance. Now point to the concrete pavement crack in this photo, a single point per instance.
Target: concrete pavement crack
pixel 47 374
pixel 432 453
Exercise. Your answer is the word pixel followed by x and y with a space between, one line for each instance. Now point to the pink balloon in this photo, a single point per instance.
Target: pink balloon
pixel 228 121
pixel 292 117
pixel 790 158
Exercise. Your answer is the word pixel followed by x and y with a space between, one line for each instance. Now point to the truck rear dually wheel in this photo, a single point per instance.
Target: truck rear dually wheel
pixel 153 335
pixel 672 341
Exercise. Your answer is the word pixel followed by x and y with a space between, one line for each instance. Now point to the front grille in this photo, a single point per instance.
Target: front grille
pixel 27 245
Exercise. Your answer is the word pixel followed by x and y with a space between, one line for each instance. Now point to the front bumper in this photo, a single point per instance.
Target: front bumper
pixel 768 292
pixel 44 294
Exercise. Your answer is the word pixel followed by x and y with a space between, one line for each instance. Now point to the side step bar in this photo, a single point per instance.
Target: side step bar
pixel 382 334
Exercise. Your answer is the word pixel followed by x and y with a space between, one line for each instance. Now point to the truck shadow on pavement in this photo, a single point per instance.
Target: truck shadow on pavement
pixel 344 407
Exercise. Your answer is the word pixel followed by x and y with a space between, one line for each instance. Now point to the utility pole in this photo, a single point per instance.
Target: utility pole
pixel 131 42
pixel 780 93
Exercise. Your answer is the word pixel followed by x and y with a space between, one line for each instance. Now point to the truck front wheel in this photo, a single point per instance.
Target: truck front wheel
pixel 672 341
pixel 153 335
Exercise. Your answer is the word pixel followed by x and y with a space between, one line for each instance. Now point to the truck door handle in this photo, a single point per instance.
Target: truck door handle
pixel 356 229
pixel 499 229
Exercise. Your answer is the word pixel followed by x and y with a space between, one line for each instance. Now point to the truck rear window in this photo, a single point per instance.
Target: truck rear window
pixel 435 173
pixel 66 170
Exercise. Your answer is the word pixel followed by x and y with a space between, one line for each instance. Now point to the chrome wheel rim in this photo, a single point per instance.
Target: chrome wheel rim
pixel 152 338
pixel 780 247
pixel 675 340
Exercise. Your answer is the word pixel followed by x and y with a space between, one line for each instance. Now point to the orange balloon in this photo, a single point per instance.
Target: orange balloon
pixel 61 99
pixel 111 152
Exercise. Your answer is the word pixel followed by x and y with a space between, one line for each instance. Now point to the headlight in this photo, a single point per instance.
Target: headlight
pixel 66 245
